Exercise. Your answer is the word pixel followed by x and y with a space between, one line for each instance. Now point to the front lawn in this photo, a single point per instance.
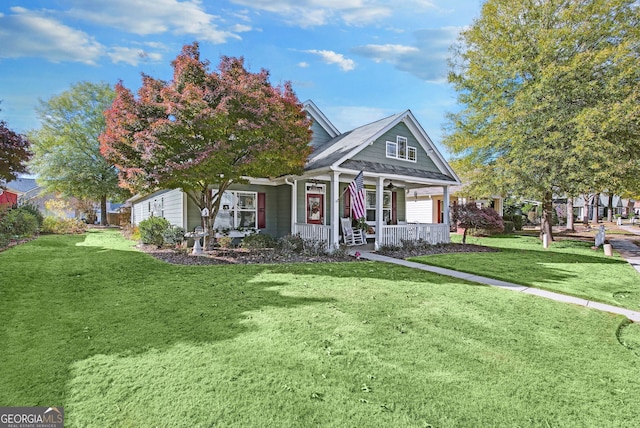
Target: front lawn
pixel 567 266
pixel 120 339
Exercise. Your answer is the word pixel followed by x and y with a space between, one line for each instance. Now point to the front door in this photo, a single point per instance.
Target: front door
pixel 315 208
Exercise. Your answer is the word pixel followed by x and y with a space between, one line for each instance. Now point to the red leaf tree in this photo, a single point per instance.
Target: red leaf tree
pixel 14 153
pixel 205 130
pixel 471 216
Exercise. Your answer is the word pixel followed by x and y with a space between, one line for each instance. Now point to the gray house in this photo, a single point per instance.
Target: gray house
pixel 394 154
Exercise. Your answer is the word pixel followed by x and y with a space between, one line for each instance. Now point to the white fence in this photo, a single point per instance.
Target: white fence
pixel 317 232
pixel 433 233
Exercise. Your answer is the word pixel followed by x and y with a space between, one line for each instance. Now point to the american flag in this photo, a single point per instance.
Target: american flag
pixel 356 191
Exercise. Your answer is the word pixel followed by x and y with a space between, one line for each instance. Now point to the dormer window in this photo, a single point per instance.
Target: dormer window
pixel 401 150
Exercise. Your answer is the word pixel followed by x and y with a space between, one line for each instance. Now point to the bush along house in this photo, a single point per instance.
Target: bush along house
pixel 383 161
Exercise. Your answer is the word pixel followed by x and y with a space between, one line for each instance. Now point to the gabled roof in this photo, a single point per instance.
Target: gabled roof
pixel 22 185
pixel 338 152
pixel 348 144
pixel 320 118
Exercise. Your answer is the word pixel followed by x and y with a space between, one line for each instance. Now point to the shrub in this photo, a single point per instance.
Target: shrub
pixel 19 223
pixel 225 242
pixel 314 247
pixel 63 226
pixel 508 226
pixel 152 230
pixel 4 240
pixel 290 244
pixel 257 240
pixel 174 235
pixel 516 219
pixel 130 232
pixel 33 209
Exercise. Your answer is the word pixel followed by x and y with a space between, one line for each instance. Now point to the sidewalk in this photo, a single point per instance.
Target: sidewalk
pixel 632 315
pixel 628 250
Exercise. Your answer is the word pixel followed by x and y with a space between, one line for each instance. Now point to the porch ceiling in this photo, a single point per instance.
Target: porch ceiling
pixel 378 168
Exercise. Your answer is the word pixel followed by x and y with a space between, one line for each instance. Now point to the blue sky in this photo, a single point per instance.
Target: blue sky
pixel 358 60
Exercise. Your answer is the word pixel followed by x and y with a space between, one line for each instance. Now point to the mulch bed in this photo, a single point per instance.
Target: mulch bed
pixel 234 256
pixel 244 256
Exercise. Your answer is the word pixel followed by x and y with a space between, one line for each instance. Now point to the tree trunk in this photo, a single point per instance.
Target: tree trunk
pixel 596 205
pixel 585 210
pixel 103 210
pixel 610 208
pixel 547 216
pixel 464 236
pixel 570 213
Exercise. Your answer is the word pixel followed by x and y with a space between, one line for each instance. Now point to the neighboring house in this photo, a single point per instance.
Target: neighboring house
pixel 8 198
pixel 427 204
pixel 394 154
pixel 28 190
pixel 580 209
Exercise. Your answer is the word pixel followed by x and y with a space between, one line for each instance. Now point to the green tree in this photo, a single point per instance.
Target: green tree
pixel 66 149
pixel 205 130
pixel 549 97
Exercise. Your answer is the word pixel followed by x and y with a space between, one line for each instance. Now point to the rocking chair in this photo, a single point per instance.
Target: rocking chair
pixel 349 235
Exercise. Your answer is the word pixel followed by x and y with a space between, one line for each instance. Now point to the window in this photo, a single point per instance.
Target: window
pixel 238 210
pixel 370 202
pixel 401 150
pixel 392 149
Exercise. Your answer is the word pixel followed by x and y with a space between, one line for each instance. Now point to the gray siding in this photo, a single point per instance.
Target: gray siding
pixel 193 215
pixel 277 211
pixel 401 207
pixel 302 202
pixel 319 136
pixel 283 210
pixel 171 200
pixel 377 151
pixel 173 207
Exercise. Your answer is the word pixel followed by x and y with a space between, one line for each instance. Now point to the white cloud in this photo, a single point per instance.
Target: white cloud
pixel 132 56
pixel 26 33
pixel 331 57
pixel 310 13
pixel 385 53
pixel 427 60
pixel 303 64
pixel 154 17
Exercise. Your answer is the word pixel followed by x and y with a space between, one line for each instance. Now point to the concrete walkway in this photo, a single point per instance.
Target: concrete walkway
pixel 628 250
pixel 632 315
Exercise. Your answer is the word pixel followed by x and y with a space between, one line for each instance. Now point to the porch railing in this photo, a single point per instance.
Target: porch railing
pixel 433 233
pixel 317 232
pixel 393 235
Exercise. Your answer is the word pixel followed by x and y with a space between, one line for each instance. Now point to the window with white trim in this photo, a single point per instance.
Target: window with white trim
pixel 370 205
pixel 400 149
pixel 238 210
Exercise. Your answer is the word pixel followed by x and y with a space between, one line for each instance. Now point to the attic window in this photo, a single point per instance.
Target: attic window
pixel 401 150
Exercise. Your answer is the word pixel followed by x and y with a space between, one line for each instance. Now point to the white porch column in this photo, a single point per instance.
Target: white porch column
pixel 335 210
pixel 379 215
pixel 294 206
pixel 445 194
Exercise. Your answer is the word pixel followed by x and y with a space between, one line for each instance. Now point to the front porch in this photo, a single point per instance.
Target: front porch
pixel 386 235
pixel 320 200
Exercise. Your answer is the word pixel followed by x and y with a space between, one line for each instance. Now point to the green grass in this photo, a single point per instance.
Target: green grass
pixel 567 266
pixel 120 339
